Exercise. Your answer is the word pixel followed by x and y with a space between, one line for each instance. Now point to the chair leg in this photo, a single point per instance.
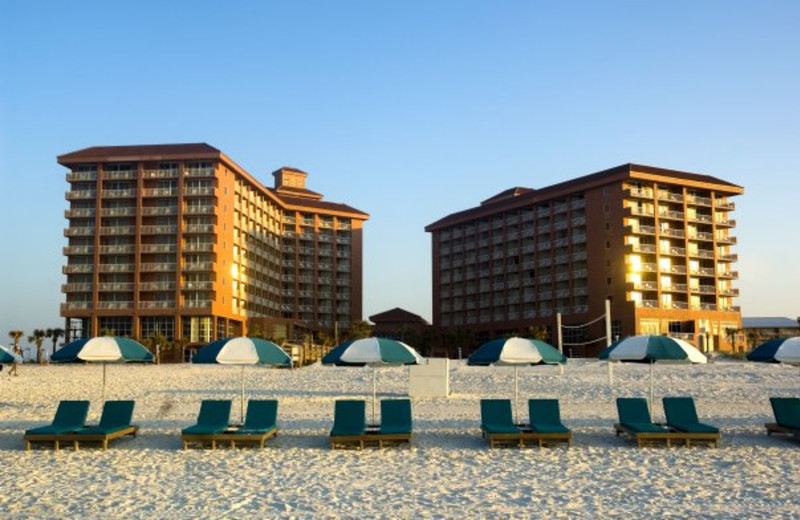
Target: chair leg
pixel 75 444
pixel 56 446
pixel 27 445
pixel 105 444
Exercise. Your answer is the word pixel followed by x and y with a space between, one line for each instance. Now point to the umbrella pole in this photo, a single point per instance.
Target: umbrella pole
pixel 374 392
pixel 652 412
pixel 103 395
pixel 516 394
pixel 241 409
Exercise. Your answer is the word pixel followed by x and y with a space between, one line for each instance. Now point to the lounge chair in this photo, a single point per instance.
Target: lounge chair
pixel 497 423
pixel 787 416
pixel 545 423
pixel 682 418
pixel 70 416
pixel 396 421
pixel 634 420
pixel 212 421
pixel 259 424
pixel 349 424
pixel 115 421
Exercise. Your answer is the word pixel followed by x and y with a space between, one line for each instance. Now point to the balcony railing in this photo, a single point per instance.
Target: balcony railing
pixel 79 250
pixel 197 304
pixel 199 172
pixel 157 304
pixel 157 266
pixel 701 235
pixel 119 194
pixel 728 240
pixel 160 174
pixel 701 253
pixel 76 287
pixel 724 204
pixel 674 251
pixel 116 268
pixel 725 222
pixel 698 201
pixel 118 230
pixel 76 306
pixel 115 287
pixel 705 289
pixel 159 248
pixel 644 230
pixel 81 176
pixel 199 191
pixel 159 210
pixel 159 230
pixel 672 197
pixel 728 274
pixel 703 271
pixel 678 269
pixel 199 266
pixel 676 233
pixel 647 304
pixel 673 215
pixel 700 217
pixel 81 194
pixel 77 268
pixel 79 213
pixel 731 257
pixel 157 286
pixel 115 305
pixel 118 212
pixel 675 287
pixel 199 210
pixel 646 193
pixel 679 305
pixel 644 248
pixel 120 175
pixel 646 285
pixel 209 247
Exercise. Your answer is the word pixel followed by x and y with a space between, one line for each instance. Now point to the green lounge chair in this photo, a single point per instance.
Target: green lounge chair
pixel 682 417
pixel 259 423
pixel 545 423
pixel 212 421
pixel 396 421
pixel 70 416
pixel 787 416
pixel 497 423
pixel 115 421
pixel 349 424
pixel 634 420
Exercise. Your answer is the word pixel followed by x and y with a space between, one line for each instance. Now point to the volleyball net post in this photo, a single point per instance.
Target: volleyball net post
pixel 606 317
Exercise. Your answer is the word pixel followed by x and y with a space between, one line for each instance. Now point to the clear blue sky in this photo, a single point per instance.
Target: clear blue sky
pixel 406 110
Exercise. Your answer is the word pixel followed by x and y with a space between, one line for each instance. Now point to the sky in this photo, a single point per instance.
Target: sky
pixel 407 110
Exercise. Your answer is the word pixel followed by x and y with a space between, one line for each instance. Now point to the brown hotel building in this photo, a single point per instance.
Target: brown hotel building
pixel 656 242
pixel 180 240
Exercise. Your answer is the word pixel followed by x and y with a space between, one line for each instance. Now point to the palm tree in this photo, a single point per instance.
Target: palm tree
pixel 754 338
pixel 360 329
pixel 54 334
pixel 16 334
pixel 731 332
pixel 38 337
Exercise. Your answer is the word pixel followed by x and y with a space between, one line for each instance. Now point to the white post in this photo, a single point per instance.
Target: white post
pixel 374 392
pixel 608 342
pixel 560 342
pixel 103 400
pixel 652 412
pixel 516 394
pixel 241 408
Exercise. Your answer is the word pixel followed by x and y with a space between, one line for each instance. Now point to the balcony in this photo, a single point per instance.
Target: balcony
pixel 644 230
pixel 700 217
pixel 157 304
pixel 199 210
pixel 199 172
pixel 122 175
pixel 116 268
pixel 202 191
pixel 725 222
pixel 151 211
pixel 675 233
pixel 197 304
pixel 79 250
pixel 205 266
pixel 118 212
pixel 157 267
pixel 701 235
pixel 671 197
pixel 159 248
pixel 701 253
pixel 704 289
pixel 157 286
pixel 730 257
pixel 115 305
pixel 76 306
pixel 678 269
pixel 79 213
pixel 729 292
pixel 160 174
pixel 118 230
pixel 81 194
pixel 671 215
pixel 648 267
pixel 728 274
pixel 724 204
pixel 158 230
pixel 703 271
pixel 675 287
pixel 647 304
pixel 119 194
pixel 673 251
pixel 77 269
pixel 643 248
pixel 642 193
pixel 160 192
pixel 645 285
pixel 727 240
pixel 200 248
pixel 698 201
pixel 708 306
pixel 76 287
pixel 729 308
pixel 679 305
pixel 115 287
pixel 81 176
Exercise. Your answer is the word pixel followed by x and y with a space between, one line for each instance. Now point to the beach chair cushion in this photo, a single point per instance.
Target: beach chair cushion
pixel 496 416
pixel 261 417
pixel 116 416
pixel 70 416
pixel 634 415
pixel 545 416
pixel 396 416
pixel 682 416
pixel 349 418
pixel 213 418
pixel 787 411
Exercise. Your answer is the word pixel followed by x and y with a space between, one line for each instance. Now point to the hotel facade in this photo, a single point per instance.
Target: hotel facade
pixel 179 240
pixel 657 243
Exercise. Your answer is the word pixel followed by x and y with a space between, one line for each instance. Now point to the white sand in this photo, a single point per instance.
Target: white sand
pixel 448 472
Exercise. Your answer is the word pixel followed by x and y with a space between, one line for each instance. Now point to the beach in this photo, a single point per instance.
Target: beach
pixel 447 472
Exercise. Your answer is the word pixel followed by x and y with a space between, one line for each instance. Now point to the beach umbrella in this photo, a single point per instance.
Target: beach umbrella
pixel 243 351
pixel 103 349
pixel 373 352
pixel 516 352
pixel 778 350
pixel 652 349
pixel 6 356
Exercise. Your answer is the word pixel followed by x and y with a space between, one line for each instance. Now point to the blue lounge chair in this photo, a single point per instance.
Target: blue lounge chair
pixel 497 423
pixel 545 423
pixel 634 420
pixel 682 417
pixel 787 416
pixel 349 424
pixel 115 421
pixel 70 416
pixel 396 421
pixel 212 421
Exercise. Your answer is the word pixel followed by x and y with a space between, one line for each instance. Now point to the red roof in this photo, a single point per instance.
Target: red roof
pixel 318 204
pixel 141 152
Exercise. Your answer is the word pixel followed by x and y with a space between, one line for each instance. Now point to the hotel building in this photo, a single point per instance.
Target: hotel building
pixel 657 243
pixel 179 240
